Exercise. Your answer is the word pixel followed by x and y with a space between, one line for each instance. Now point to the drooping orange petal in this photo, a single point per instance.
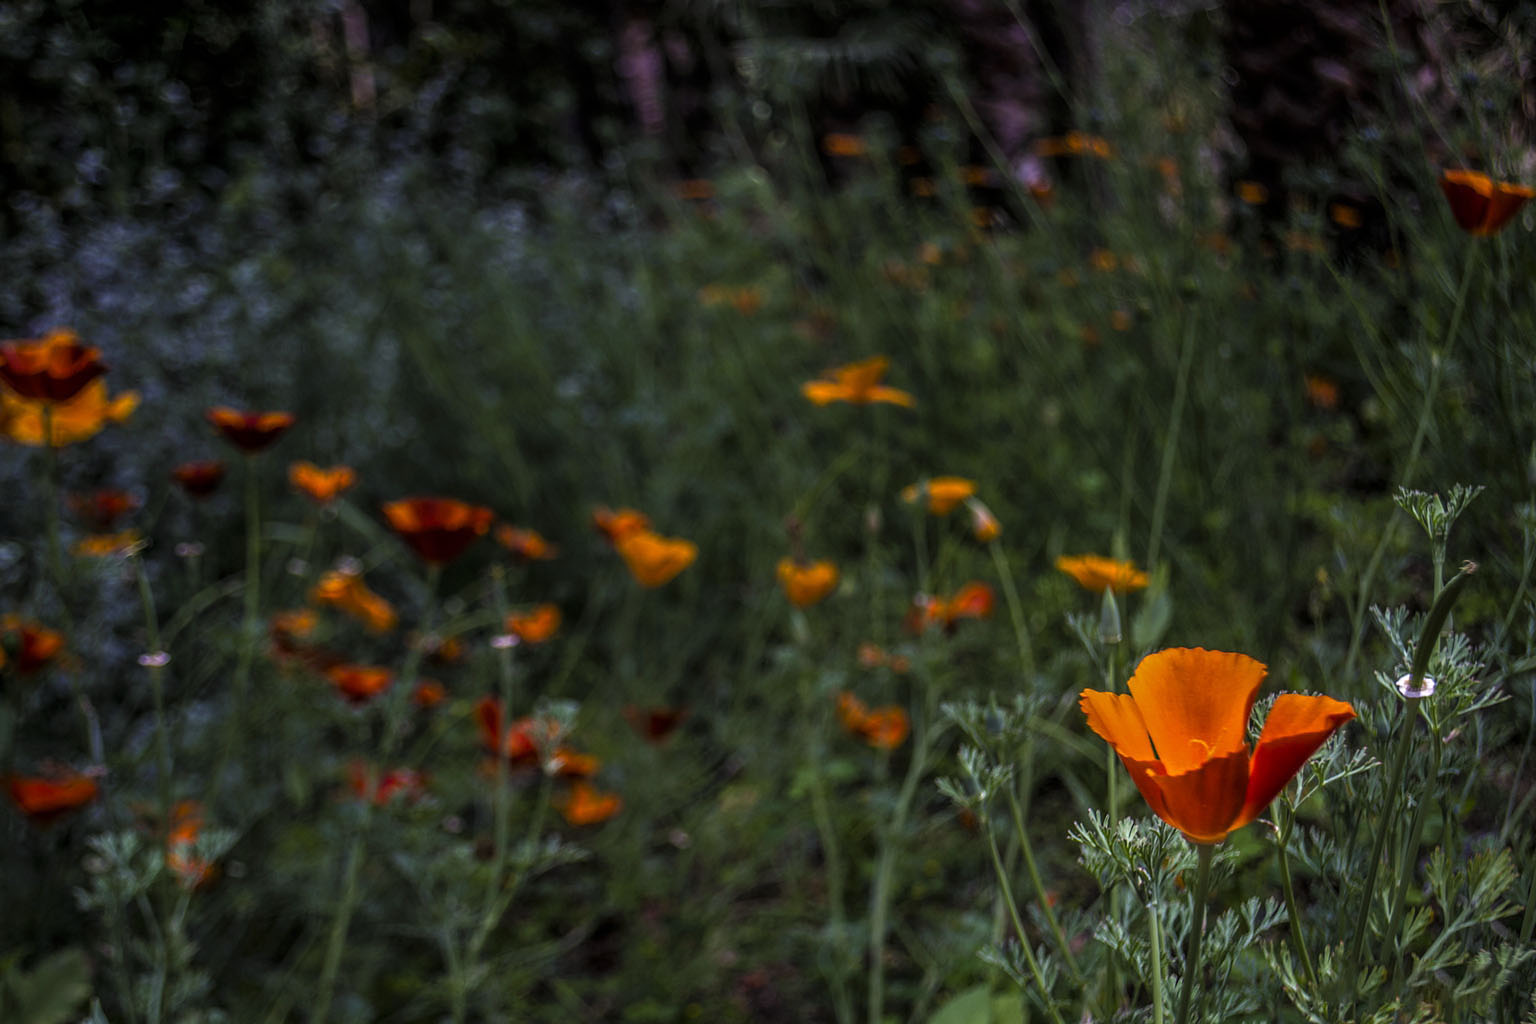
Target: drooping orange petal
pixel 1195 703
pixel 893 396
pixel 1296 727
pixel 1204 803
pixel 1117 720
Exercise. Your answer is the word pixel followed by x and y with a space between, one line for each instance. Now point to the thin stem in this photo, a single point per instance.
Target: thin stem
pixel 1171 441
pixel 1297 942
pixel 880 895
pixel 1406 858
pixel 51 499
pixel 1034 878
pixel 236 727
pixel 1394 787
pixel 1155 937
pixel 1196 930
pixel 1018 922
pixel 155 662
pixel 501 809
pixel 1015 611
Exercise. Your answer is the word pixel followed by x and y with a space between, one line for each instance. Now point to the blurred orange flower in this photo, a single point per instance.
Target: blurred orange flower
pixel 1322 392
pixel 429 693
pixel 521 741
pixel 320 485
pixel 29 645
pixel 570 763
pixel 1254 193
pixel 106 545
pixel 843 144
pixel 1074 144
pixel 437 529
pixel 1095 572
pixel 747 299
pixel 883 728
pixel 654 724
pixel 99 511
pixel 806 583
pixel 397 782
pixel 941 493
pixel 360 683
pixel 44 799
pixel 1481 205
pixel 199 479
pixel 975 600
pixel 874 656
pixel 79 419
pixel 616 524
pixel 585 805
pixel 251 432
pixel 536 625
pixel 186 826
pixel 54 369
pixel 1182 735
pixel 654 560
pixel 347 592
pixel 527 545
pixel 856 383
pixel 984 525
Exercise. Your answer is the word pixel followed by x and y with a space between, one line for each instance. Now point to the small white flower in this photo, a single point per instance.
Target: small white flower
pixel 1424 689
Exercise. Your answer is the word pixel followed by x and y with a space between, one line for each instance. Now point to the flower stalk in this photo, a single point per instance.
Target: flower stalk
pixel 1196 930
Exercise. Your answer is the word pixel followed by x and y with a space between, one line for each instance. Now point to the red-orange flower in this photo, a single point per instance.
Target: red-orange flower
pixel 536 625
pixel 360 683
pixel 882 728
pixel 521 741
pixel 29 645
pixel 429 693
pixel 975 600
pixel 1481 205
pixel 43 799
pixel 320 485
pixel 526 545
pixel 437 529
pixel 1095 573
pixel 186 826
pixel 106 545
pixel 347 592
pixel 1182 735
pixel 654 724
pixel 806 583
pixel 617 523
pixel 654 560
pixel 570 763
pixel 397 782
pixel 941 494
pixel 251 432
pixel 55 369
pixel 857 383
pixel 874 656
pixel 585 805
pixel 99 511
pixel 199 479
pixel 38 422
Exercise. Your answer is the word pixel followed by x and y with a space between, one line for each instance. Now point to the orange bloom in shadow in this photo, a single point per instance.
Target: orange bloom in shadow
pixel 584 804
pixel 806 583
pixel 44 799
pixel 882 728
pixel 654 560
pixel 1094 572
pixel 360 683
pixel 1481 205
pixel 536 625
pixel 99 511
pixel 320 485
pixel 106 545
pixel 941 494
pixel 79 419
pixel 526 545
pixel 437 529
pixel 29 645
pixel 251 432
pixel 520 742
pixel 570 763
pixel 54 370
pixel 395 783
pixel 843 144
pixel 1322 392
pixel 1074 144
pixel 1181 733
pixel 199 479
pixel 654 725
pixel 186 826
pixel 984 525
pixel 857 383
pixel 347 592
pixel 975 600
pixel 873 656
pixel 616 524
pixel 429 694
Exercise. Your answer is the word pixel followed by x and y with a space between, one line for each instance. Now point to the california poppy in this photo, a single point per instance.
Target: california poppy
pixel 437 529
pixel 251 432
pixel 54 369
pixel 941 494
pixel 347 592
pixel 30 645
pixel 882 728
pixel 429 693
pixel 79 419
pixel 99 511
pixel 396 782
pixel 984 525
pixel 570 763
pixel 584 804
pixel 1181 733
pixel 1481 205
pixel 617 523
pixel 320 485
pixel 44 799
pixel 856 383
pixel 186 825
pixel 654 724
pixel 199 479
pixel 654 560
pixel 521 741
pixel 975 600
pixel 806 583
pixel 106 545
pixel 844 144
pixel 360 683
pixel 874 656
pixel 526 545
pixel 1095 573
pixel 536 625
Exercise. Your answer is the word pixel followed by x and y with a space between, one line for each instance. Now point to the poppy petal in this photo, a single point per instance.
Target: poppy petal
pixel 1205 803
pixel 1117 719
pixel 1195 704
pixel 894 396
pixel 824 392
pixel 1296 727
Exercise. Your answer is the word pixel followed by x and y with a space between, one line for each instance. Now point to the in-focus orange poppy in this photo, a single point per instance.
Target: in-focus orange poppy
pixel 584 804
pixel 1481 205
pixel 654 560
pixel 44 799
pixel 654 724
pixel 79 419
pixel 882 728
pixel 320 485
pixel 806 583
pixel 99 511
pixel 1182 735
pixel 617 523
pixel 525 545
pixel 347 592
pixel 984 525
pixel 186 825
pixel 54 369
pixel 536 625
pixel 438 529
pixel 941 493
pixel 108 545
pixel 199 479
pixel 857 383
pixel 1095 572
pixel 29 645
pixel 251 432
pixel 360 683
pixel 401 783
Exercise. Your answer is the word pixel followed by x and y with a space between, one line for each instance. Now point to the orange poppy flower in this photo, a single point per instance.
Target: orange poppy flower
pixel 1254 193
pixel 585 805
pixel 882 728
pixel 1345 215
pixel 1181 733
pixel 397 782
pixel 874 656
pixel 975 600
pixel 536 625
pixel 984 525
pixel 1481 205
pixel 186 826
pixel 856 383
pixel 44 799
pixel 1095 572
pixel 54 369
pixel 843 144
pixel 106 545
pixel 437 529
pixel 527 545
pixel 654 724
pixel 570 763
pixel 360 683
pixel 251 432
pixel 199 479
pixel 616 524
pixel 79 419
pixel 654 560
pixel 320 485
pixel 806 583
pixel 429 694
pixel 1322 392
pixel 347 592
pixel 942 493
pixel 695 189
pixel 521 741
pixel 99 511
pixel 30 645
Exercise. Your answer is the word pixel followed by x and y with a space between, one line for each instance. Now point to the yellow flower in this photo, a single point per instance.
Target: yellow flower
pixel 79 419
pixel 942 493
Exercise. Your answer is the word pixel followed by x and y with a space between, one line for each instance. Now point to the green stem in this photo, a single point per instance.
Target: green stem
pixel 1018 922
pixel 880 895
pixel 1015 611
pixel 1406 859
pixel 1034 878
pixel 235 726
pixel 1171 441
pixel 1297 942
pixel 502 808
pixel 1155 937
pixel 155 660
pixel 831 855
pixel 1394 787
pixel 1196 930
